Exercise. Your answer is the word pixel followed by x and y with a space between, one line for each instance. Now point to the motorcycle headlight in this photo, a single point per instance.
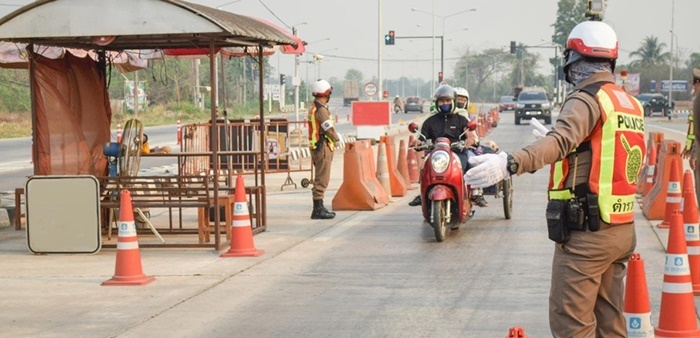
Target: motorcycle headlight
pixel 440 161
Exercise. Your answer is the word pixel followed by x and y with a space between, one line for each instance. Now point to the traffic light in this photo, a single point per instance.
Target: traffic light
pixel 389 38
pixel 283 79
pixel 512 47
pixel 439 77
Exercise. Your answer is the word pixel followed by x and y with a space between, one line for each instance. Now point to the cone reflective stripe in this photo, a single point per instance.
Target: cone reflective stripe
pixel 119 132
pixel 690 224
pixel 241 231
pixel 637 309
pixel 673 195
pixel 677 317
pixel 128 270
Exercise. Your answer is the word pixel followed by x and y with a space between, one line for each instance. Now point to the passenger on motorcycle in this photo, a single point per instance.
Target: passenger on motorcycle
pixel 472 142
pixel 446 123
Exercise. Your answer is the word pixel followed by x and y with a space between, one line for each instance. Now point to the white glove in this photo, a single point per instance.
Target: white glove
pixel 487 170
pixel 340 137
pixel 539 130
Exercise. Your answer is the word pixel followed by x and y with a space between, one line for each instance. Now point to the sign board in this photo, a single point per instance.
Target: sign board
pixel 631 83
pixel 130 92
pixel 371 118
pixel 271 88
pixel 370 89
pixel 63 214
pixel 678 86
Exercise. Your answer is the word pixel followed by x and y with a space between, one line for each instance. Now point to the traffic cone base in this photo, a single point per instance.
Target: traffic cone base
pixel 241 231
pixel 128 270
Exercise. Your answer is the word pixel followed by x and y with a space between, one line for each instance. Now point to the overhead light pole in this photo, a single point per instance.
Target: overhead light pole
pixel 296 81
pixel 670 64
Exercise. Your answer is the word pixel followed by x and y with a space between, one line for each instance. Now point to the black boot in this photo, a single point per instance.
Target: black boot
pixel 326 210
pixel 320 212
pixel 415 202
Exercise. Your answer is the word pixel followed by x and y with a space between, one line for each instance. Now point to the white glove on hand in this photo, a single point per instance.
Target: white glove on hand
pixel 487 170
pixel 539 130
pixel 340 137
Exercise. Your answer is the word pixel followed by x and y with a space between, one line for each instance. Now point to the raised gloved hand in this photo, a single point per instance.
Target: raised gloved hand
pixel 539 130
pixel 487 170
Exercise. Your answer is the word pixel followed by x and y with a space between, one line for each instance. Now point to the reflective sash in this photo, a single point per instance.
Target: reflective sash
pixel 691 133
pixel 315 129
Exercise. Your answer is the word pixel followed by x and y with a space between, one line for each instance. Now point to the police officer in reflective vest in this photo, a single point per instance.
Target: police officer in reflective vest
pixel 692 147
pixel 322 139
pixel 596 149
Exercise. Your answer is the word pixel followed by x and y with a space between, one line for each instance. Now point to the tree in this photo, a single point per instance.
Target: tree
pixel 569 14
pixel 693 61
pixel 651 52
pixel 475 70
pixel 353 74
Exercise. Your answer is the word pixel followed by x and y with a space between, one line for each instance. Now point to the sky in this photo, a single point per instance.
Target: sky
pixel 347 32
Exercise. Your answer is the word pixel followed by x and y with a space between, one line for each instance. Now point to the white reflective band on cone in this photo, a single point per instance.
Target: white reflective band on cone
pixel 127 245
pixel 673 199
pixel 127 229
pixel 240 208
pixel 694 250
pixel 240 224
pixel 677 265
pixel 650 170
pixel 678 288
pixel 639 325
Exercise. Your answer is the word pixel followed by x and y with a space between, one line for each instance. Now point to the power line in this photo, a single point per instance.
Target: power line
pixel 374 60
pixel 275 15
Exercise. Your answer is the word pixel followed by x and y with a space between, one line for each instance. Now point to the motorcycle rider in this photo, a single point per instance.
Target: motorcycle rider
pixel 446 123
pixel 398 103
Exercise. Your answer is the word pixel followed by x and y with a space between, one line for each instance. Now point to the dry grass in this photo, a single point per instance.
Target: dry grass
pixel 14 125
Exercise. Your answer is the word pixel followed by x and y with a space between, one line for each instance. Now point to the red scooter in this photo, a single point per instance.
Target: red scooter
pixel 446 198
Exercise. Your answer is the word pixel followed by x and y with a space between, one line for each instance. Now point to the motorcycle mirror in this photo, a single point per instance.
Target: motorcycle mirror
pixel 471 125
pixel 413 127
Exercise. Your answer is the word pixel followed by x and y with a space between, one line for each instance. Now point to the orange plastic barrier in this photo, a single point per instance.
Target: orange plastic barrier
pixel 637 308
pixel 241 231
pixel 652 146
pixel 677 314
pixel 360 189
pixel 128 270
pixel 690 224
pixel 674 194
pixel 654 202
pixel 402 164
pixel 398 185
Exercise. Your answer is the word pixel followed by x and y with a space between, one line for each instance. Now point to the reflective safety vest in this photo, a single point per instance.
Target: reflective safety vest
pixel 315 130
pixel 690 139
pixel 618 148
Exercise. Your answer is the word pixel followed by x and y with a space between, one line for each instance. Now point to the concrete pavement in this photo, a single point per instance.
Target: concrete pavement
pixel 362 274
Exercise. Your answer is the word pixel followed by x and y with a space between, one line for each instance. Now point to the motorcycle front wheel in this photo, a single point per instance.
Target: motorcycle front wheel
pixel 439 219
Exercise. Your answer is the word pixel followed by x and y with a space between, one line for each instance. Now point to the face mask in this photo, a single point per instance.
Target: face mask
pixel 461 105
pixel 446 108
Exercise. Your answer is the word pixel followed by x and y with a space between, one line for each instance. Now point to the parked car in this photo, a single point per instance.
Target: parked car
pixel 533 103
pixel 506 102
pixel 413 103
pixel 655 103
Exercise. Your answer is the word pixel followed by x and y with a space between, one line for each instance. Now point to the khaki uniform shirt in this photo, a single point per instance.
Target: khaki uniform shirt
pixel 576 121
pixel 696 125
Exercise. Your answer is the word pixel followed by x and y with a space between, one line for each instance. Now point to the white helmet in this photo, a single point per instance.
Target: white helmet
pixel 321 88
pixel 591 40
pixel 459 91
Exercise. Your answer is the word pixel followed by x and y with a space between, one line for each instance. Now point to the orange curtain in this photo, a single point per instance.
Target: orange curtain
pixel 72 116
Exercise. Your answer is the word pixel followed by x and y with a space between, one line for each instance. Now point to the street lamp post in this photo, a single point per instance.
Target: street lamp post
pixel 670 82
pixel 296 75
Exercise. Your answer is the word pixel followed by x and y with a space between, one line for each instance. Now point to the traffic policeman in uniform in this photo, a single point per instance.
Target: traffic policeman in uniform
pixel 692 149
pixel 596 150
pixel 322 139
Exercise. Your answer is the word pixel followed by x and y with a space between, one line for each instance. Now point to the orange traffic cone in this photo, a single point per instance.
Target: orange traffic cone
pixel 677 316
pixel 241 231
pixel 413 168
pixel 516 332
pixel 673 195
pixel 651 168
pixel 402 165
pixel 692 237
pixel 383 168
pixel 637 308
pixel 128 269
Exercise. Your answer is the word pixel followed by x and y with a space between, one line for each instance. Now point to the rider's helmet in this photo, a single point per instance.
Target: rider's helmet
pixel 321 88
pixel 445 92
pixel 459 91
pixel 591 40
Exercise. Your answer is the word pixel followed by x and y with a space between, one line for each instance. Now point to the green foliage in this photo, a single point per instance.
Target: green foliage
pixel 651 52
pixel 569 14
pixel 14 90
pixel 354 74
